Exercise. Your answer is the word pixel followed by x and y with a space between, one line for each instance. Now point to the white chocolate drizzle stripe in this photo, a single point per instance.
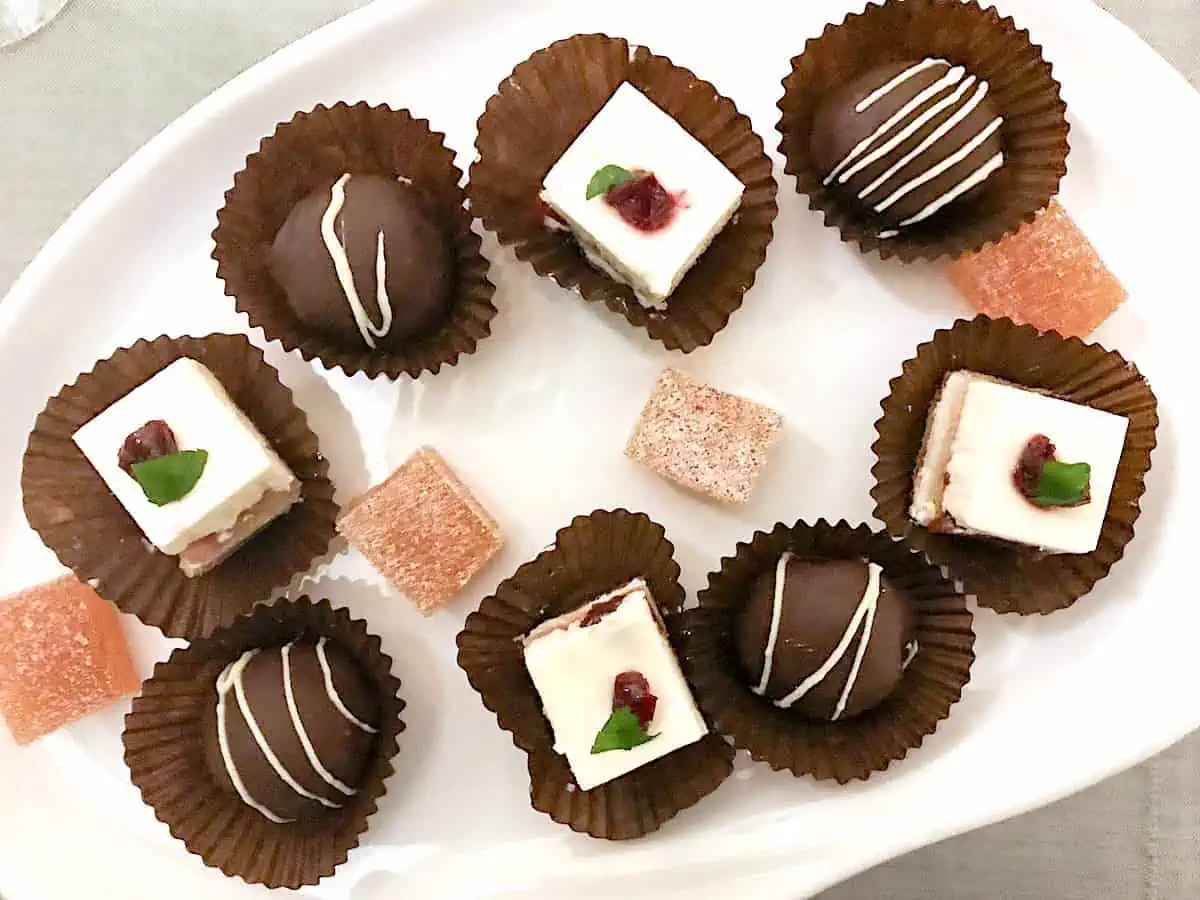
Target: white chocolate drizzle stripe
pixel 952 77
pixel 265 748
pixel 341 264
pixel 872 592
pixel 868 600
pixel 334 697
pixel 978 178
pixel 981 90
pixel 776 615
pixel 946 165
pixel 225 681
pixel 878 94
pixel 310 751
pixel 908 130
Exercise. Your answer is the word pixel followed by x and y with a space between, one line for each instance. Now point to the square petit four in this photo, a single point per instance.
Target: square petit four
pixel 704 439
pixel 611 686
pixel 1047 275
pixel 1015 464
pixel 423 530
pixel 643 197
pixel 64 658
pixel 189 467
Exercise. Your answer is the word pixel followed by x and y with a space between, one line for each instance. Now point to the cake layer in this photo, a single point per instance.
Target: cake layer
pixel 209 552
pixel 979 430
pixel 633 133
pixel 574 661
pixel 241 467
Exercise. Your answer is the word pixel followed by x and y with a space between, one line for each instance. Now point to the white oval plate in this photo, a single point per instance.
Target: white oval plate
pixel 536 421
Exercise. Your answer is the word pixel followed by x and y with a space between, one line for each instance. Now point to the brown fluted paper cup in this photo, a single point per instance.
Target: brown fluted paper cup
pixel 857 747
pixel 537 113
pixel 990 47
pixel 318 147
pixel 1008 577
pixel 68 504
pixel 594 555
pixel 165 754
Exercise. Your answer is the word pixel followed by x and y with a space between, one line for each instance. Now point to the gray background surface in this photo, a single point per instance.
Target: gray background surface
pixel 79 98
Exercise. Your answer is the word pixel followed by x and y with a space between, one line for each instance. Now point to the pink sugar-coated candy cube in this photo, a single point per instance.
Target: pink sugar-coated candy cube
pixel 703 439
pixel 1047 275
pixel 64 657
pixel 423 529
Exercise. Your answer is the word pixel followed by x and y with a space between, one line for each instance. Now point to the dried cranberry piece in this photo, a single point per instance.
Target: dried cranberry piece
pixel 1037 452
pixel 643 202
pixel 599 611
pixel 152 440
pixel 549 216
pixel 632 690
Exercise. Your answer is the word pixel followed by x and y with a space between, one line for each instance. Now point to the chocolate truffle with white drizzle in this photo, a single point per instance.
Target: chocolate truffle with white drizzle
pixel 364 261
pixel 908 139
pixel 827 638
pixel 293 728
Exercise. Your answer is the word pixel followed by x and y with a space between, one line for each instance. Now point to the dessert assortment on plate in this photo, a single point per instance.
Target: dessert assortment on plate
pixel 180 483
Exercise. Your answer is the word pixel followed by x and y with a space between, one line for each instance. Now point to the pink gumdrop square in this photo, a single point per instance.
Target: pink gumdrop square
pixel 1047 275
pixel 424 530
pixel 64 658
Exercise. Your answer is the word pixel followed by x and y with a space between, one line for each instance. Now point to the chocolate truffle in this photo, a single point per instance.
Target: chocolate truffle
pixel 828 638
pixel 365 262
pixel 293 730
pixel 907 139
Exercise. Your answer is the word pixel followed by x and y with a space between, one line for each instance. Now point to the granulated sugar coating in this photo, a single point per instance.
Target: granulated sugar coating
pixel 704 439
pixel 64 657
pixel 423 529
pixel 1047 275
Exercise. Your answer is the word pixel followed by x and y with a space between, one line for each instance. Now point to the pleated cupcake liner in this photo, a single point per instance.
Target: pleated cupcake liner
pixel 595 554
pixel 990 47
pixel 164 750
pixel 535 115
pixel 71 508
pixel 315 148
pixel 1003 576
pixel 850 749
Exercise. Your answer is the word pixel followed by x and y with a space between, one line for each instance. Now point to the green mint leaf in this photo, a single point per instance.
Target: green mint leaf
pixel 166 479
pixel 622 731
pixel 607 178
pixel 1063 484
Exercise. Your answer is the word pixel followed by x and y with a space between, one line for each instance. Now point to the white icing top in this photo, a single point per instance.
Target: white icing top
pixel 631 131
pixel 341 263
pixel 979 428
pixel 242 468
pixel 573 668
pixel 908 121
pixel 863 619
pixel 230 682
